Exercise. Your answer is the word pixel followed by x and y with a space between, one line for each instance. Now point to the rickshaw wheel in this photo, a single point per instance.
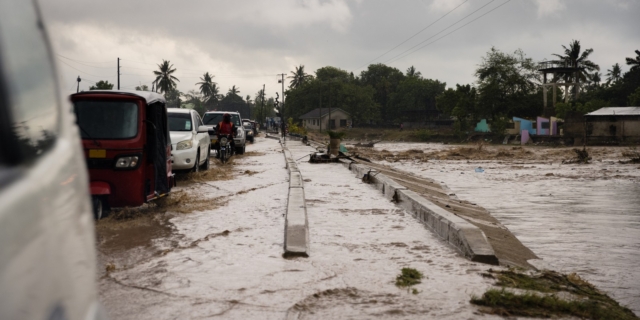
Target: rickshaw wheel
pixel 196 165
pixel 97 207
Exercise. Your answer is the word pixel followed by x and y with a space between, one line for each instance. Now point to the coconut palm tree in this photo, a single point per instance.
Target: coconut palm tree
pixel 614 74
pixel 233 90
pixel 634 63
pixel 298 77
pixel 165 80
pixel 573 58
pixel 206 85
pixel 412 72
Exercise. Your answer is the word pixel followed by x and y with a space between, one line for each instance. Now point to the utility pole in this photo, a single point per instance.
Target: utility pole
pixel 78 89
pixel 320 116
pixel 118 73
pixel 282 81
pixel 262 115
pixel 330 93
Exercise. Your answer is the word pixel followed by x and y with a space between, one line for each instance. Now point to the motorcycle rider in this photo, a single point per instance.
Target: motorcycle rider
pixel 226 128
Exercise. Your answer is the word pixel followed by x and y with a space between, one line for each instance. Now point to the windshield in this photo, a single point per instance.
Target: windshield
pixel 101 119
pixel 215 118
pixel 180 122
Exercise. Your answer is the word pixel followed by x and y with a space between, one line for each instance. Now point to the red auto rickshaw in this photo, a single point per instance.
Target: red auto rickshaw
pixel 127 146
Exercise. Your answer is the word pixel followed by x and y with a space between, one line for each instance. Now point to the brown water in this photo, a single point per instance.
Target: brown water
pixel 577 218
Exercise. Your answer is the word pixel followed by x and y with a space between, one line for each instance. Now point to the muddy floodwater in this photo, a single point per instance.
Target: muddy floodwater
pixel 582 218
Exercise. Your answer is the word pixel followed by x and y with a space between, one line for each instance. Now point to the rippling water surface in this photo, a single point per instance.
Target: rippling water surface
pixel 576 218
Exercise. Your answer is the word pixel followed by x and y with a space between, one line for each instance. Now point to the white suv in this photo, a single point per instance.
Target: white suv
pixel 211 120
pixel 190 145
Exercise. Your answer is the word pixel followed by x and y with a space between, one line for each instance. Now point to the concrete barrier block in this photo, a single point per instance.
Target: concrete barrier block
pixel 295 180
pixel 296 234
pixel 461 234
pixel 387 186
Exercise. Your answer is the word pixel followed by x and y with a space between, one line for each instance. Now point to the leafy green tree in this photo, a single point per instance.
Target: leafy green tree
pixel 634 62
pixel 504 82
pixel 412 72
pixel 165 81
pixel 460 103
pixel 143 87
pixel 196 99
pixel 415 99
pixel 298 77
pixel 614 74
pixel 634 98
pixel 173 98
pixel 384 80
pixel 102 85
pixel 206 85
pixel 330 73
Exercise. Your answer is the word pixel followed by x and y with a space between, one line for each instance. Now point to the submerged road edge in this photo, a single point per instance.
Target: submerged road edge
pixel 296 225
pixel 460 234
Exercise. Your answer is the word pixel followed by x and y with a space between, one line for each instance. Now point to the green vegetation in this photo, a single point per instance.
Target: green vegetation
pixel 542 297
pixel 102 85
pixel 423 134
pixel 408 277
pixel 336 134
pixel 294 128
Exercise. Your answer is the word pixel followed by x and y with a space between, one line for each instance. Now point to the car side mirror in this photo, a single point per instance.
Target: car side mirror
pixel 203 129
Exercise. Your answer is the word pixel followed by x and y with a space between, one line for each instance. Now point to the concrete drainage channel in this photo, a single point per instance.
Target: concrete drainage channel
pixel 462 235
pixel 296 226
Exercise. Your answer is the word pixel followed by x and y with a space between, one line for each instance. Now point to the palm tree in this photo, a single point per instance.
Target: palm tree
pixel 298 77
pixel 572 58
pixel 614 74
pixel 411 72
pixel 165 80
pixel 248 99
pixel 634 63
pixel 206 85
pixel 233 90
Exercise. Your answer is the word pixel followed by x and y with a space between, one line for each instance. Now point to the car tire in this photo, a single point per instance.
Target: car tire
pixel 97 207
pixel 205 165
pixel 196 164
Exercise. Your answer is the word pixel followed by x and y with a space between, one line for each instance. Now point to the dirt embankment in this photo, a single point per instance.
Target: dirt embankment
pixel 503 153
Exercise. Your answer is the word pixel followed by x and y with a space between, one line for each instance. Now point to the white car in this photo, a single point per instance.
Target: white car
pixel 190 143
pixel 48 252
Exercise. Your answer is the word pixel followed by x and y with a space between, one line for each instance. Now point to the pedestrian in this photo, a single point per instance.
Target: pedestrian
pixel 401 126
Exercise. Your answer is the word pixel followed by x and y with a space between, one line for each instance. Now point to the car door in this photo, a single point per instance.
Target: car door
pixel 47 256
pixel 203 138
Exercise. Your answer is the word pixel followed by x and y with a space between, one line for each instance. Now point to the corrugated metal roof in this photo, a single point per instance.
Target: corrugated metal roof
pixel 616 111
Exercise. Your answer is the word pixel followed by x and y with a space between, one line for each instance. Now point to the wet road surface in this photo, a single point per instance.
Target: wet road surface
pixel 225 259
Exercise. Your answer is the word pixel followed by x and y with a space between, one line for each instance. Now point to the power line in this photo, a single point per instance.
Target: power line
pixel 82 61
pixel 72 67
pixel 486 13
pixel 87 65
pixel 441 31
pixel 415 34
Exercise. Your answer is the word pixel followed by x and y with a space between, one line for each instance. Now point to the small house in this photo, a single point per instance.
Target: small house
pixel 325 119
pixel 613 123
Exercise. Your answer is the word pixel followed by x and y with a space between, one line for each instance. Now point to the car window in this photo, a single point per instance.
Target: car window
pixel 31 92
pixel 199 120
pixel 99 119
pixel 180 122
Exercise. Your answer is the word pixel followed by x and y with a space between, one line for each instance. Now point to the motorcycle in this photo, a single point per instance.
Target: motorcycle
pixel 225 148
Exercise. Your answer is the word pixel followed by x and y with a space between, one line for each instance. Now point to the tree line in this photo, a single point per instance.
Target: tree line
pixel 506 85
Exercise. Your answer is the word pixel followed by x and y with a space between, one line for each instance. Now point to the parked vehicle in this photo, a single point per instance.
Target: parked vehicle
pixel 190 143
pixel 211 120
pixel 48 256
pixel 225 148
pixel 248 129
pixel 126 142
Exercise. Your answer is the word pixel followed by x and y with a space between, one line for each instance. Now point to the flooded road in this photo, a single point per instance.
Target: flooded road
pixel 224 257
pixel 577 218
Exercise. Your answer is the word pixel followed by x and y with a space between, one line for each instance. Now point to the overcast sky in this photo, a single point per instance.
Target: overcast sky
pixel 248 42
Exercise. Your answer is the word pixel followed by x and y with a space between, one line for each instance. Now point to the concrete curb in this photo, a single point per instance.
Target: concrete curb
pixel 296 225
pixel 459 233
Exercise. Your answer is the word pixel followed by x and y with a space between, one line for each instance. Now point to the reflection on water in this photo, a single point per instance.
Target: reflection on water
pixel 586 224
